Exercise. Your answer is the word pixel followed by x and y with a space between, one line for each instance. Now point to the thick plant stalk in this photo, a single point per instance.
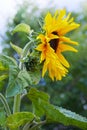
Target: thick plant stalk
pixel 6 106
pixel 17 98
pixel 17 102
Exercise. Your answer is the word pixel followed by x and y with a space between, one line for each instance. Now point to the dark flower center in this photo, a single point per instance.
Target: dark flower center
pixel 54 42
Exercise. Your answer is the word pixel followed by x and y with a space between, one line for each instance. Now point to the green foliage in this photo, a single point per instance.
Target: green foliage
pixel 35 77
pixel 2 118
pixel 37 97
pixel 16 48
pixel 4 76
pixel 6 60
pixel 22 27
pixel 5 63
pixel 3 71
pixel 26 48
pixel 54 114
pixel 61 115
pixel 19 119
pixel 18 80
pixel 2 67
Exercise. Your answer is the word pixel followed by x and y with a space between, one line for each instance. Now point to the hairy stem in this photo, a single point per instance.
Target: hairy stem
pixel 5 103
pixel 17 99
pixel 27 125
pixel 38 124
pixel 17 103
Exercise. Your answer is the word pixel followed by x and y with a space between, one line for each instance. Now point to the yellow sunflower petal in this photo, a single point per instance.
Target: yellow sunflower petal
pixel 63 60
pixel 67 18
pixel 59 76
pixel 40 47
pixel 61 14
pixel 43 57
pixel 48 17
pixel 63 47
pixel 41 36
pixel 60 73
pixel 51 73
pixel 69 28
pixel 51 36
pixel 71 20
pixel 45 67
pixel 56 14
pixel 65 39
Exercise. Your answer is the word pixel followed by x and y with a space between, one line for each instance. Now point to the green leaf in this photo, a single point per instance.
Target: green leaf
pixel 26 48
pixel 2 118
pixel 16 48
pixel 4 76
pixel 66 117
pixel 55 114
pixel 37 97
pixel 35 94
pixel 22 28
pixel 2 67
pixel 5 63
pixel 6 60
pixel 19 119
pixel 18 80
pixel 34 77
pixel 3 71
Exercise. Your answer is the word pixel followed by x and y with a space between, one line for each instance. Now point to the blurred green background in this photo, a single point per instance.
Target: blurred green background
pixel 71 91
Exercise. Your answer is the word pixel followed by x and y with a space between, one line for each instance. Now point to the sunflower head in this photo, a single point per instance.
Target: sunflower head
pixel 53 43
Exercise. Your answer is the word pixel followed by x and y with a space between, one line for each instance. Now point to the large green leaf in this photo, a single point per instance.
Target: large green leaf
pixel 66 117
pixel 19 118
pixel 5 63
pixel 37 97
pixel 55 114
pixel 34 95
pixel 6 60
pixel 18 80
pixel 22 27
pixel 16 48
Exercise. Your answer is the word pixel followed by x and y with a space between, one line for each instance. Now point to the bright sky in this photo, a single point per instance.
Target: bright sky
pixel 8 8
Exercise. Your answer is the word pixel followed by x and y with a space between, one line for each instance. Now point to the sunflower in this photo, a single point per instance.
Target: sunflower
pixel 53 43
